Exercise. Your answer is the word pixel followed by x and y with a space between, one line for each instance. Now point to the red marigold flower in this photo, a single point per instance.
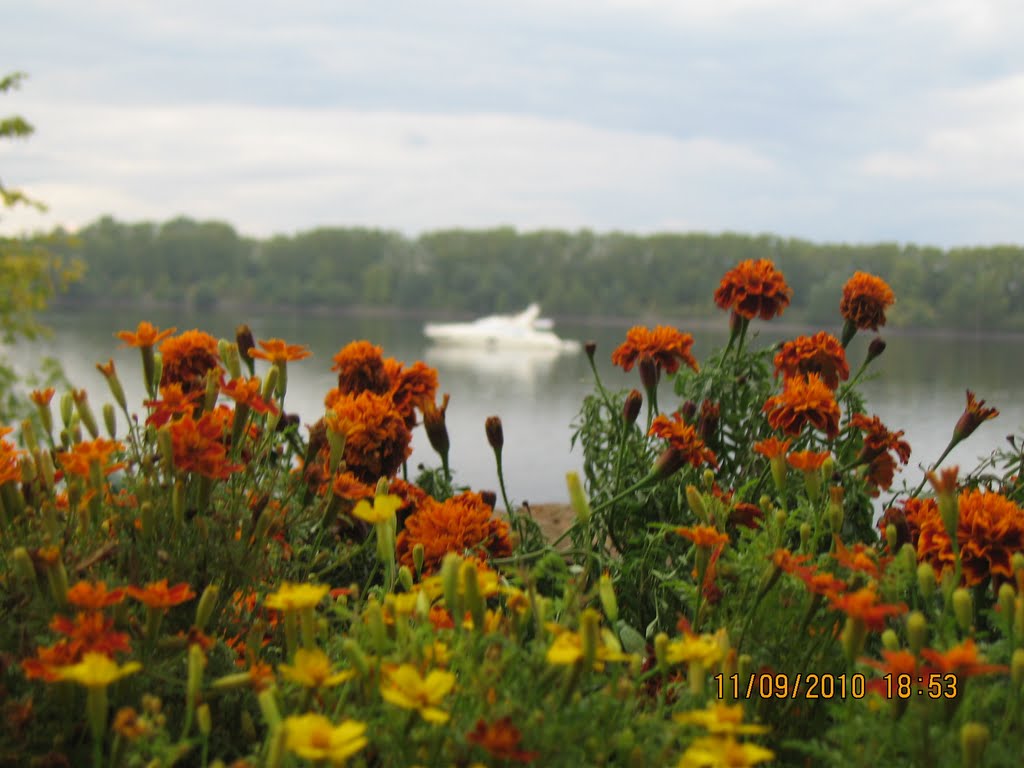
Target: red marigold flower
pixel 501 740
pixel 174 401
pixel 248 392
pixel 157 594
pixel 772 447
pixel 865 299
pixel 94 596
pixel 43 666
pixel 360 367
pixel 808 461
pixel 863 605
pixel 962 660
pixel 821 353
pixel 804 400
pixel 878 439
pixel 187 358
pixel 91 632
pixel 704 536
pixel 78 460
pixel 974 416
pixel 666 347
pixel 754 288
pixel 146 335
pixel 347 486
pixel 377 440
pixel 198 446
pixel 411 388
pixel 683 439
pixel 746 514
pixel 277 352
pixel 460 524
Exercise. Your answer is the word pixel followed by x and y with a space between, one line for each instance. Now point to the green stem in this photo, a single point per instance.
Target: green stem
pixel 952 444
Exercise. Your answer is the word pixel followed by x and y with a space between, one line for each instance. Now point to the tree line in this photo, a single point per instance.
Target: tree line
pixel 207 263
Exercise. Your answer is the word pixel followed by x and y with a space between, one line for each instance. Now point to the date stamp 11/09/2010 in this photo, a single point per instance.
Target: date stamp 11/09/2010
pixel 830 686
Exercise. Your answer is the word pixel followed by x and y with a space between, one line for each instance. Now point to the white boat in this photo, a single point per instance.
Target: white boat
pixel 526 329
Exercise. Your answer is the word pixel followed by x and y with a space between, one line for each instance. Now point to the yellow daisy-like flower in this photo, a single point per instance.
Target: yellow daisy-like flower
pixel 383 509
pixel 312 669
pixel 720 720
pixel 704 649
pixel 295 597
pixel 97 670
pixel 723 753
pixel 314 737
pixel 567 649
pixel 406 688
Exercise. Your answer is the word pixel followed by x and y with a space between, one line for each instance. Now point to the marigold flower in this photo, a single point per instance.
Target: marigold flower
pixel 10 468
pixel 313 737
pixel 821 354
pixel 295 597
pixel 248 392
pixel 974 416
pixel 406 688
pixel 382 509
pixel 360 367
pixel 804 400
pixel 82 455
pixel 312 669
pixel 96 670
pixel 187 358
pixel 754 288
pixel 808 461
pixel 665 346
pixel 683 438
pixel 460 524
pixel 411 388
pixel 277 352
pixel 174 401
pixel 345 485
pixel 94 596
pixel 198 445
pixel 146 335
pixel 377 439
pixel 42 397
pixel 501 739
pixel 712 751
pixel 962 660
pixel 157 594
pixel 704 536
pixel 703 649
pixel 786 561
pixel 91 631
pixel 720 720
pixel 821 582
pixel 772 447
pixel 861 558
pixel 865 299
pixel 863 605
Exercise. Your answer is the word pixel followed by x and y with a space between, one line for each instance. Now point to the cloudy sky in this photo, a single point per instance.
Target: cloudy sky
pixel 842 120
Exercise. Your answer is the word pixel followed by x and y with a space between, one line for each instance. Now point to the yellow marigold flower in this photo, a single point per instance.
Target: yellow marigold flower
pixel 294 597
pixel 312 669
pixel 407 689
pixel 704 649
pixel 720 720
pixel 383 509
pixel 315 738
pixel 96 670
pixel 568 648
pixel 723 753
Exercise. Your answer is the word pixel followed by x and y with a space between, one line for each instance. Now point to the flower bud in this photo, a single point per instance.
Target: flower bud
pixel 356 657
pixel 245 342
pixel 875 349
pixel 475 603
pixel 890 641
pixel 271 383
pixel 405 578
pixel 854 634
pixel 81 400
pixel 926 580
pixel 495 433
pixel 148 519
pixel 696 502
pixel 963 608
pixel 418 553
pixel 268 707
pixel 1018 617
pixel 606 592
pixel 166 446
pixel 450 584
pixel 891 537
pixel 109 420
pixel 974 739
pixel 648 376
pixel 23 567
pixel 661 650
pixel 1006 598
pixel 435 426
pixel 909 555
pixel 204 609
pixel 228 352
pixel 631 407
pixel 917 631
pixel 805 536
pixel 577 498
pixel 204 720
pixel 1017 669
pixel 590 347
pixel 709 480
pixel 590 622
pixel 67 405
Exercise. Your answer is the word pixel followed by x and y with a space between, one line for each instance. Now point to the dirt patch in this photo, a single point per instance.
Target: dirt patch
pixel 553 519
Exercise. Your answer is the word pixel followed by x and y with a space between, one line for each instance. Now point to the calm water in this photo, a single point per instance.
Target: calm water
pixel 920 389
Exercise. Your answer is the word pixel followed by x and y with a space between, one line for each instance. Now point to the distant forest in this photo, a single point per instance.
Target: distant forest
pixel 571 274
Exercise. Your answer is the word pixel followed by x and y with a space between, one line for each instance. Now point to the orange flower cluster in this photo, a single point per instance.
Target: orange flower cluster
pixel 360 367
pixel 158 595
pixel 772 447
pixel 864 605
pixel 198 445
pixel 754 288
pixel 804 400
pixel 10 471
pixel 501 739
pixel 683 439
pixel 248 392
pixel 865 299
pixel 187 358
pixel 879 444
pixel 83 454
pixel 146 335
pixel 377 439
pixel 821 354
pixel 174 401
pixel 807 461
pixel 462 524
pixel 666 347
pixel 989 530
pixel 277 352
pixel 704 536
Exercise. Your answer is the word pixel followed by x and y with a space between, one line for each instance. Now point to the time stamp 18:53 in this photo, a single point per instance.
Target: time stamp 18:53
pixel 828 686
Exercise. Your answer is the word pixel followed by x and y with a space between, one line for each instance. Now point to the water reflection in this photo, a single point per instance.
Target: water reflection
pixel 526 366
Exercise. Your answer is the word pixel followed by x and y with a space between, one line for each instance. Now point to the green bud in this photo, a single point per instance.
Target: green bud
pixel 1017 669
pixel 207 602
pixel 110 420
pixel 890 640
pixel 67 406
pixel 356 657
pixel 204 720
pixel 963 608
pixel 577 498
pixel 270 383
pixel 23 566
pixel 81 401
pixel 661 650
pixel 926 580
pixel 974 738
pixel 268 708
pixel 405 578
pixel 891 537
pixel 590 623
pixel 166 446
pixel 450 584
pixel 228 352
pixel 696 502
pixel 709 480
pixel 909 555
pixel 805 536
pixel 854 634
pixel 917 631
pixel 606 592
pixel 28 434
pixel 474 601
pixel 418 554
pixel 1007 596
pixel 196 664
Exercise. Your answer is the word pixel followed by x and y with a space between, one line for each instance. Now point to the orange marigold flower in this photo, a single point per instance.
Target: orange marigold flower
pixel 347 486
pixel 786 561
pixel 94 596
pixel 277 352
pixel 42 397
pixel 377 440
pixel 411 388
pixel 754 288
pixel 746 514
pixel 808 461
pixel 146 335
pixel 43 666
pixel 198 446
pixel 878 439
pixel 501 739
pixel 865 299
pixel 863 605
pixel 157 594
pixel 174 401
pixel 821 582
pixel 821 353
pixel 704 536
pixel 463 523
pixel 91 632
pixel 683 439
pixel 78 460
pixel 248 392
pixel 10 469
pixel 666 347
pixel 974 416
pixel 961 660
pixel 860 558
pixel 187 358
pixel 772 447
pixel 804 400
pixel 360 367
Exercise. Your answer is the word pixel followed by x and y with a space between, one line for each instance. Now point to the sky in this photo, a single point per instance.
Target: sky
pixel 830 120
